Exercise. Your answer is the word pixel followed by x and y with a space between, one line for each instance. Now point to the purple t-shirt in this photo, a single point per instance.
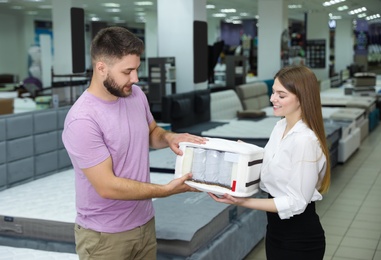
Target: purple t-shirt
pixel 96 129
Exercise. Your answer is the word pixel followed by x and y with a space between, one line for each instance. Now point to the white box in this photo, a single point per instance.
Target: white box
pixel 221 166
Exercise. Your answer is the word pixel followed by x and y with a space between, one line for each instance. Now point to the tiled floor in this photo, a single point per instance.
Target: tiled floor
pixel 351 211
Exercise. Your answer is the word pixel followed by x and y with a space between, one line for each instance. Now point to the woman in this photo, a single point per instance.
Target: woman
pixel 295 170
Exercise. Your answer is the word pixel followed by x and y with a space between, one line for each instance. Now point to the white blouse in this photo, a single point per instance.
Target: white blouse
pixel 292 168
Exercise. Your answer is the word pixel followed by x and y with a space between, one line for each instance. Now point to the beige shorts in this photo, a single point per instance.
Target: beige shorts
pixel 138 243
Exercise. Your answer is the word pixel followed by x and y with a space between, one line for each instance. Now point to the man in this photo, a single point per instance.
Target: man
pixel 107 133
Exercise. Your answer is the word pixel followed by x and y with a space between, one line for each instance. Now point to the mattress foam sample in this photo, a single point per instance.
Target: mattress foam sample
pixel 221 166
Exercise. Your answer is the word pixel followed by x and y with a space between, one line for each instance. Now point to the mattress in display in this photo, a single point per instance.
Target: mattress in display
pixel 333 135
pixel 221 166
pixel 331 98
pixel 193 226
pixel 350 138
pixel 17 253
pixel 252 131
pixel 258 133
pixel 351 114
pixel 40 215
pixel 44 210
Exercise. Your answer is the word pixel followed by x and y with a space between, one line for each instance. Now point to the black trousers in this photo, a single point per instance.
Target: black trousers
pixel 300 237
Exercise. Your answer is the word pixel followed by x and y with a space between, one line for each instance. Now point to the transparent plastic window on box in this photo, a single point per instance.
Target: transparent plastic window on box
pixel 221 166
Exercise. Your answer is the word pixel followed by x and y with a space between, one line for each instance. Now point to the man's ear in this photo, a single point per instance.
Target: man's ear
pixel 101 67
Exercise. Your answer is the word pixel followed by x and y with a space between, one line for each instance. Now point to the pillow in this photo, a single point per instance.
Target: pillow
pixel 180 108
pixel 251 114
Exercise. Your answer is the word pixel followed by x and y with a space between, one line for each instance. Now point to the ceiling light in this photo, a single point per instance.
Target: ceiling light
pixel 357 11
pixel 140 19
pixel 141 3
pixel 332 2
pixel 117 19
pixel 294 6
pixel 375 16
pixel 113 10
pixel 335 17
pixel 210 6
pixel 31 13
pixel 111 5
pixel 228 10
pixel 342 8
pixel 45 7
pixel 219 15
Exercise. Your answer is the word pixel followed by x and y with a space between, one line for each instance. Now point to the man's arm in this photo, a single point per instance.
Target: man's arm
pixel 109 186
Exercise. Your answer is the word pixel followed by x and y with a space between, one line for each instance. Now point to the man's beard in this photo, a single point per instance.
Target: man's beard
pixel 114 88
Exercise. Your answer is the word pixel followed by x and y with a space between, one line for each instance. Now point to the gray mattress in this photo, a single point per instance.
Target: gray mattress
pixel 40 215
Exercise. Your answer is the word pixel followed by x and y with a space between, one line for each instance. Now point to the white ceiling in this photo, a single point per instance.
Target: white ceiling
pixel 129 12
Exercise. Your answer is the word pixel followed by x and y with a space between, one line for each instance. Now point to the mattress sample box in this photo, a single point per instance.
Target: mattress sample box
pixel 221 166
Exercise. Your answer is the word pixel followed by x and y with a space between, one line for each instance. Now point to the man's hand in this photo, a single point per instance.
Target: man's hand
pixel 175 139
pixel 178 185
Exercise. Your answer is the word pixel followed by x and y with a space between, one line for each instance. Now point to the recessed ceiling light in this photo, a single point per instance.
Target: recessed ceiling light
pixel 228 10
pixel 342 8
pixel 111 5
pixel 357 11
pixel 210 6
pixel 45 7
pixel 32 13
pixel 332 2
pixel 219 15
pixel 375 16
pixel 141 3
pixel 113 10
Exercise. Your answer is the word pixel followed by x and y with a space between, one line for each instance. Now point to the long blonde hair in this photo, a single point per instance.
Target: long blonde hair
pixel 302 82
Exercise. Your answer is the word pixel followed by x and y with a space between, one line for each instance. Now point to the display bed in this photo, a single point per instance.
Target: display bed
pixel 17 253
pixel 40 215
pixel 258 132
pixel 354 127
pixel 336 99
pixel 252 131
